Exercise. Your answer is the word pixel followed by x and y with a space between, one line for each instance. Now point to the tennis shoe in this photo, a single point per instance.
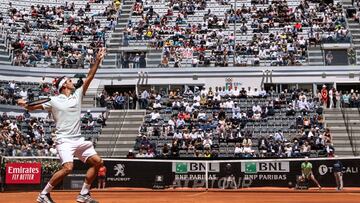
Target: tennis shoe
pixel 86 198
pixel 44 198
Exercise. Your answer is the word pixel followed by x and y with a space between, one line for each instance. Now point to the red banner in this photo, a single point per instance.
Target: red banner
pixel 23 173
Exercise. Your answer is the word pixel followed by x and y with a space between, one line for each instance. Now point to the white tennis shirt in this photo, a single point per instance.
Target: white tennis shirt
pixel 67 113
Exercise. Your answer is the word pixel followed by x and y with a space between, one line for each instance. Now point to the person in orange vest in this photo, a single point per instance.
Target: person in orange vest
pixel 101 177
pixel 324 96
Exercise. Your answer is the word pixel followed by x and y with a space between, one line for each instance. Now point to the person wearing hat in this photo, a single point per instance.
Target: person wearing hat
pixel 66 110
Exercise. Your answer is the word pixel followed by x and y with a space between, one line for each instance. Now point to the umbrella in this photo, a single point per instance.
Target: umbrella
pixel 79 75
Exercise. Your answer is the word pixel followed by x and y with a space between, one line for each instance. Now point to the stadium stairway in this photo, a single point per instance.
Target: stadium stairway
pixel 315 55
pixel 4 55
pixel 89 100
pixel 120 133
pixel 116 40
pixel 354 28
pixel 343 143
pixel 153 58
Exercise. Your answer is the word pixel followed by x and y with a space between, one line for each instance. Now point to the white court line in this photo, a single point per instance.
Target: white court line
pixel 197 194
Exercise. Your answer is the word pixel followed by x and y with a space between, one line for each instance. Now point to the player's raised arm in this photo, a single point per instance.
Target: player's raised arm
pixel 99 57
pixel 23 103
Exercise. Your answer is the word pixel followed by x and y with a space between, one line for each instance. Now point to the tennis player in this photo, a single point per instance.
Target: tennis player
pixel 66 110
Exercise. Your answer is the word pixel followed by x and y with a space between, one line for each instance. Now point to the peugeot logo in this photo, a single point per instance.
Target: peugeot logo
pixel 323 169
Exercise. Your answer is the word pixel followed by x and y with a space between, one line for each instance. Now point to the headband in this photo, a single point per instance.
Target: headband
pixel 62 82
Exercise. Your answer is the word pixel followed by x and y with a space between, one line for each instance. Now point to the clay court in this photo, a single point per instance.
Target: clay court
pixel 327 195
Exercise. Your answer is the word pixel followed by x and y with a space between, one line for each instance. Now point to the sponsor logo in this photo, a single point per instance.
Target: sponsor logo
pixel 23 173
pixel 119 174
pixel 186 167
pixel 324 169
pixel 265 176
pixel 270 167
pixel 120 170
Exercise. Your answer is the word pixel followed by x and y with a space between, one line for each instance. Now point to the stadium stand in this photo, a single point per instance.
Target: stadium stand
pixel 202 33
pixel 58 34
pixel 239 123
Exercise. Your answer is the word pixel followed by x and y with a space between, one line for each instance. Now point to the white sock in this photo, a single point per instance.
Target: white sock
pixel 47 189
pixel 85 189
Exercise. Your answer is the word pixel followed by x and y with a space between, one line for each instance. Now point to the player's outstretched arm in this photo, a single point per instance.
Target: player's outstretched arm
pixel 99 57
pixel 23 103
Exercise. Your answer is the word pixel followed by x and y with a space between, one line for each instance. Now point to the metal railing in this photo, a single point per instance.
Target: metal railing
pixel 116 132
pixel 349 129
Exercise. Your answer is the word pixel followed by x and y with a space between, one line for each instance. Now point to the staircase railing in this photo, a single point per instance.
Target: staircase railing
pixel 349 130
pixel 117 131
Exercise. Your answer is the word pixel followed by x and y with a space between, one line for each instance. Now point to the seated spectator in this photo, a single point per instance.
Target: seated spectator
pixel 155 116
pixel 157 105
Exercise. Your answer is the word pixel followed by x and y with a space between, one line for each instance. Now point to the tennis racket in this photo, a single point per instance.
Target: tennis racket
pixel 38 101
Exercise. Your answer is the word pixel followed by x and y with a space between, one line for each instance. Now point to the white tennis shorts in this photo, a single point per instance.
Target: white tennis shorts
pixel 68 148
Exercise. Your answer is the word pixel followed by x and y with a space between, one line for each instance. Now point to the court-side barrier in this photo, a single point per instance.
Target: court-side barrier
pixel 149 173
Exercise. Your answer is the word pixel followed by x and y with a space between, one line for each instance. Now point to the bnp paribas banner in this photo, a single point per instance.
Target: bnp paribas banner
pixel 254 174
pixel 193 174
pixel 283 173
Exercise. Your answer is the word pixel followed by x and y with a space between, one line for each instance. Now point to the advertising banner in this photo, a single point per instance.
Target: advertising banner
pixel 193 174
pixel 23 173
pixel 136 173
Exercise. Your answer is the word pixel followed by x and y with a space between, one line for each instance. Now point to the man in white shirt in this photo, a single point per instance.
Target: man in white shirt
pixel 250 92
pixel 229 104
pixel 196 97
pixel 256 93
pixel 66 110
pixel 23 94
pixel 155 115
pixel 256 108
pixel 236 112
pixel 178 135
pixel 157 105
pixel 303 105
pixel 207 143
pixel 217 97
pixel 189 108
pixel 236 92
pixel 13 125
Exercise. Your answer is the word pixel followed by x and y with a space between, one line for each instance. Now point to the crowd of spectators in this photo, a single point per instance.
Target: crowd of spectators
pixel 27 135
pixel 232 123
pixel 279 33
pixel 10 91
pixel 64 34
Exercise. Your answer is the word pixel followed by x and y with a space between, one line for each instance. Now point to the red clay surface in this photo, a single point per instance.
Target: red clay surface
pixel 263 195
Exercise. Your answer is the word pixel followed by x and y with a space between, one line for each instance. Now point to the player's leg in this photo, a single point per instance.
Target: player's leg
pixel 341 180
pixel 66 154
pixel 315 181
pixel 337 180
pixel 86 153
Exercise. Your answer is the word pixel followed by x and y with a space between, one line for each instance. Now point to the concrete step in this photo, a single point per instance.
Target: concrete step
pixel 338 110
pixel 335 123
pixel 352 116
pixel 342 129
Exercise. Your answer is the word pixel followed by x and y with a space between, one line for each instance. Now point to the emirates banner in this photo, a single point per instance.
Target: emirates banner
pixel 23 173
